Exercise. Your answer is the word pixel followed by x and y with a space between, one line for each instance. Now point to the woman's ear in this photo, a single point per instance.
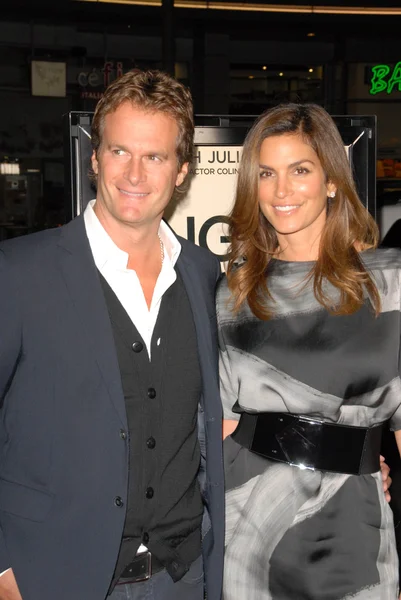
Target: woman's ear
pixel 331 190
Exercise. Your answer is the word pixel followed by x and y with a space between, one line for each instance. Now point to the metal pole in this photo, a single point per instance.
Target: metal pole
pixel 168 48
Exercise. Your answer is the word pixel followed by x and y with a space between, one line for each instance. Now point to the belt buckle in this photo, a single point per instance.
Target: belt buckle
pixel 139 569
pixel 300 442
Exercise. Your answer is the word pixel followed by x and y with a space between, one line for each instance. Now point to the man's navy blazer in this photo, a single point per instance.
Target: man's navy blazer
pixel 63 462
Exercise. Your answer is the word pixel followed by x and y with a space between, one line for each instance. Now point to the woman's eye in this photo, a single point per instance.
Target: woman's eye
pixel 302 170
pixel 264 174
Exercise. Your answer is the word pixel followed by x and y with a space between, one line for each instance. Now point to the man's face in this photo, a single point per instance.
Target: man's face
pixel 136 167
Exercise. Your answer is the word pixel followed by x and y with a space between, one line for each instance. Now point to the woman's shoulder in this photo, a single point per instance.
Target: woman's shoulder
pixel 224 302
pixel 382 259
pixel 222 290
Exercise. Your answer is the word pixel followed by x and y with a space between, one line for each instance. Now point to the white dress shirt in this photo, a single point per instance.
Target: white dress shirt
pixel 112 264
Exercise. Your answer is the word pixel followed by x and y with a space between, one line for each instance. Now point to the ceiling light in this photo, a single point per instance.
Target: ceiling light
pixel 7 168
pixel 281 74
pixel 272 8
pixel 310 70
pixel 311 34
pixel 264 68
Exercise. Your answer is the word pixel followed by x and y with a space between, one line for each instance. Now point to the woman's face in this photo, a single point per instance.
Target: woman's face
pixel 292 189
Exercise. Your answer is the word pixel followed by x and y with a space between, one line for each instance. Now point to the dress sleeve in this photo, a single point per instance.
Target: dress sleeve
pixel 228 382
pixel 395 421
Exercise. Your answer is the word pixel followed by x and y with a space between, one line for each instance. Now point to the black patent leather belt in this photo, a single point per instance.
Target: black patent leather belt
pixel 143 566
pixel 308 443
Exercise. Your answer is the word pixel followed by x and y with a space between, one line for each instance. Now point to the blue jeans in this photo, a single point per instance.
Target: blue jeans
pixel 161 587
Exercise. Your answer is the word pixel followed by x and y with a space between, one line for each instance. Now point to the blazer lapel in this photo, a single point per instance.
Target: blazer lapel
pixel 81 278
pixel 201 316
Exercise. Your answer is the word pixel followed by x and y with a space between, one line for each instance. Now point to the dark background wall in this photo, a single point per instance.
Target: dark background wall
pixel 235 62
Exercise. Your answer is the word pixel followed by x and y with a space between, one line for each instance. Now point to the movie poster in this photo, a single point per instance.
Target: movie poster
pixel 200 215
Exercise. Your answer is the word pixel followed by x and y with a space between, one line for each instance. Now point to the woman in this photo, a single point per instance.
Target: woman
pixel 309 323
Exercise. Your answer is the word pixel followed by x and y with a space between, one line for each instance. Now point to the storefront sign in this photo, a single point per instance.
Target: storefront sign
pixel 48 78
pixel 385 79
pixel 94 82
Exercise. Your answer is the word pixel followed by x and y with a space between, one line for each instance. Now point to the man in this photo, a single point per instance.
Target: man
pixel 111 481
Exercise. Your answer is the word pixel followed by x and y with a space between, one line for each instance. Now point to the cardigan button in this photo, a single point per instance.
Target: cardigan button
pixel 151 393
pixel 118 501
pixel 151 443
pixel 137 346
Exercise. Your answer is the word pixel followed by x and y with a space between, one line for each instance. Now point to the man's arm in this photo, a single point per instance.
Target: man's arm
pixel 10 328
pixel 10 348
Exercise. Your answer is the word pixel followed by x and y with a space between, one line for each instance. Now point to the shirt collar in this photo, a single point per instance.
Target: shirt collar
pixel 104 250
pixel 172 246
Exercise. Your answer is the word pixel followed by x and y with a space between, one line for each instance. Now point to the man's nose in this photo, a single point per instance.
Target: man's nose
pixel 135 172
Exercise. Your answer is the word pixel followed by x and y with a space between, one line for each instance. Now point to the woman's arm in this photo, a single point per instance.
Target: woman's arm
pixel 398 440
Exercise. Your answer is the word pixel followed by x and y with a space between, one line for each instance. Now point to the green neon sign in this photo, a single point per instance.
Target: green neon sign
pixel 379 81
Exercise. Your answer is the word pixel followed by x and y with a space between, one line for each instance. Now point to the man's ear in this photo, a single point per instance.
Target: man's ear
pixel 94 162
pixel 182 173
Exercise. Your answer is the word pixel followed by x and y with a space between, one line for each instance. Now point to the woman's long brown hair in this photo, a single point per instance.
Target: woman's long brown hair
pixel 349 227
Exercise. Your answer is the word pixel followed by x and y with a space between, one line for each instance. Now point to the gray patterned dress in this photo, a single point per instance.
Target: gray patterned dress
pixel 295 534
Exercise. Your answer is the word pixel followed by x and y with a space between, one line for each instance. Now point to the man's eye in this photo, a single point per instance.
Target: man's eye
pixel 118 152
pixel 153 158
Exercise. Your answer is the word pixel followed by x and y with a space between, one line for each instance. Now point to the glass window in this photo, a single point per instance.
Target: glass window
pixel 253 89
